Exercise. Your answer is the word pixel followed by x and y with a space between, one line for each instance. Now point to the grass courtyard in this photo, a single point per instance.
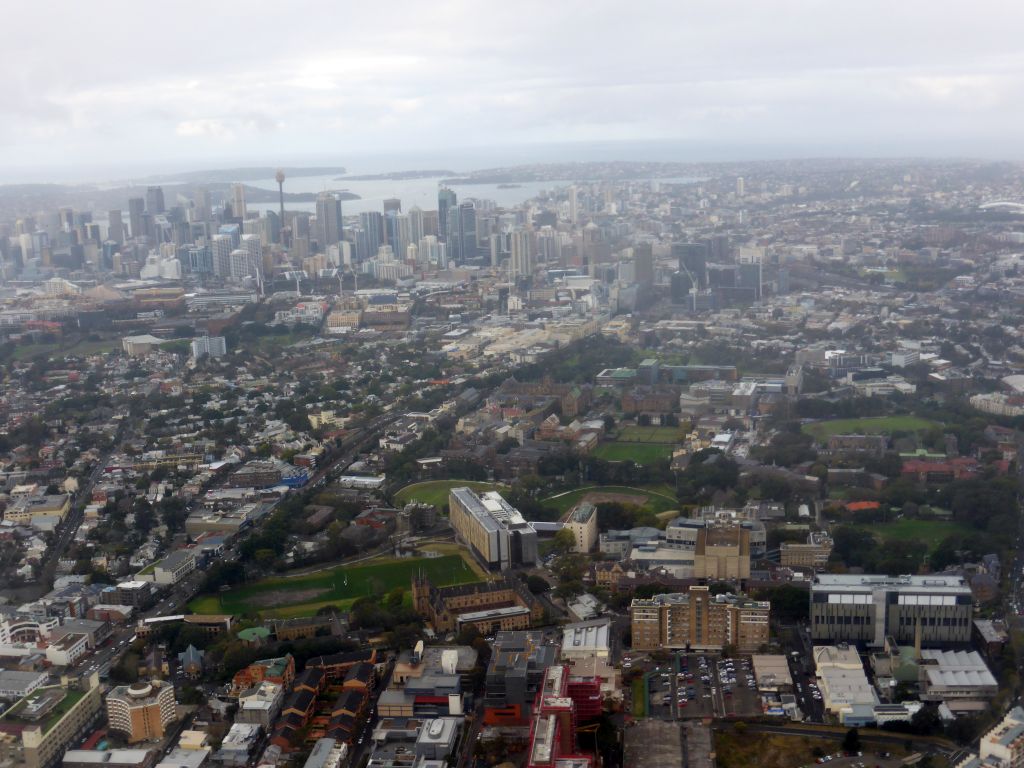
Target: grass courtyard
pixel 285 597
pixel 872 425
pixel 436 491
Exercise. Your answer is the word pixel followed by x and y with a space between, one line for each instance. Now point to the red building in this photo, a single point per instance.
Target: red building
pixel 562 703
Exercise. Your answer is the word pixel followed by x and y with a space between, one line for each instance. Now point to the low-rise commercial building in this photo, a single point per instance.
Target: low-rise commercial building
pixel 812 554
pixel 845 690
pixel 1002 746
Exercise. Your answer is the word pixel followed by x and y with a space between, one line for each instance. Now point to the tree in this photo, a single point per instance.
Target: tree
pixel 563 542
pixel 537 584
pixel 851 741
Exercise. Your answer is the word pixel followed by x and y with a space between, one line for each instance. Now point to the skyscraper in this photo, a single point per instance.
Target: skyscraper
pixel 202 207
pixel 253 246
pixel 574 208
pixel 136 210
pixel 328 220
pixel 693 260
pixel 522 254
pixel 643 261
pixel 446 200
pixel 416 232
pixel 154 200
pixel 115 226
pixel 397 229
pixel 741 186
pixel 372 223
pixel 238 200
pixel 466 232
pixel 222 246
pixel 392 204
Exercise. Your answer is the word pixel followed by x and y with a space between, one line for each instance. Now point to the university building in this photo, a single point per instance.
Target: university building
pixel 697 619
pixel 496 532
pixel 865 609
pixel 491 607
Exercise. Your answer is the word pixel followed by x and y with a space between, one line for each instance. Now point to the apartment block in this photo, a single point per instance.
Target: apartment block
pixel 699 620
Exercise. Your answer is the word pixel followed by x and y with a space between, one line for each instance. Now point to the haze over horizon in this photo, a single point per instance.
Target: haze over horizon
pixel 411 85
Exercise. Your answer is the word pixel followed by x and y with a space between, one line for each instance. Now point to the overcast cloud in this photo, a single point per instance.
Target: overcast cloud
pixel 139 84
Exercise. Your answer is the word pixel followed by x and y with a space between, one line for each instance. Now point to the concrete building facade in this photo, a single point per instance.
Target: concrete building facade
pixel 699 620
pixel 864 609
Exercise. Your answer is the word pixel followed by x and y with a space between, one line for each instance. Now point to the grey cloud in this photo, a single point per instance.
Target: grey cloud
pixel 121 81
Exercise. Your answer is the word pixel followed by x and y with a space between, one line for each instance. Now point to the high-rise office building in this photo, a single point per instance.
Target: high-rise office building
pixel 136 210
pixel 643 262
pixel 416 232
pixel 446 200
pixel 238 200
pixel 397 229
pixel 241 264
pixel 521 249
pixel 392 204
pixel 574 205
pixel 430 224
pixel 372 223
pixel 693 260
pixel 328 220
pixel 115 226
pixel 155 200
pixel 741 186
pixel 199 260
pixel 202 205
pixel 462 232
pixel 221 247
pixel 253 246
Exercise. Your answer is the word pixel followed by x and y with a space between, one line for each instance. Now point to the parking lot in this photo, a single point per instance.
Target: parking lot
pixel 698 685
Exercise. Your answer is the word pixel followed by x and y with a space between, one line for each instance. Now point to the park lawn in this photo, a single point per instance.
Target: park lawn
pixel 288 597
pixel 929 532
pixel 665 435
pixel 639 697
pixel 435 492
pixel 871 425
pixel 24 352
pixel 656 502
pixel 641 453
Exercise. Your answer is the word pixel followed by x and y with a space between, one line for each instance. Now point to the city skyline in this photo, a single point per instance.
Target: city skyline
pixel 794 80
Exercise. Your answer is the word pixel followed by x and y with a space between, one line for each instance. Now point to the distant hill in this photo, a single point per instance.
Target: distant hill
pixel 228 175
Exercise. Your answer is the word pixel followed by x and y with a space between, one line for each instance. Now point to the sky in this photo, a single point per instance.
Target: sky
pixel 110 87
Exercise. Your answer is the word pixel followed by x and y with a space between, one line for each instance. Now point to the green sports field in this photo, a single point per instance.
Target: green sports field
pixel 665 435
pixel 929 532
pixel 652 500
pixel 289 597
pixel 873 425
pixel 641 453
pixel 436 491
